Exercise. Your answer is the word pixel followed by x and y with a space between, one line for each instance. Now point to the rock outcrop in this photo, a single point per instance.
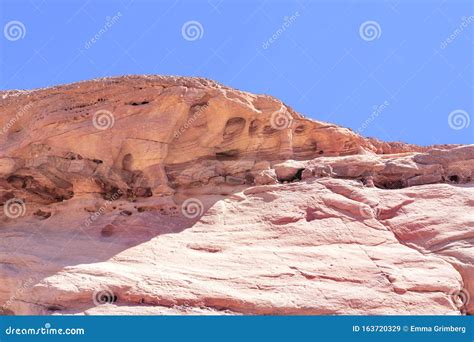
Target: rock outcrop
pixel 164 195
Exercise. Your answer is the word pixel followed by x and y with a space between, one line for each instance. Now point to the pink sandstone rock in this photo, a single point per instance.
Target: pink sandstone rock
pixel 168 195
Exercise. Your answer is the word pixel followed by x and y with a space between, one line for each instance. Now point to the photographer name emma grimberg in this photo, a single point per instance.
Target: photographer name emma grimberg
pixel 46 330
pixel 438 329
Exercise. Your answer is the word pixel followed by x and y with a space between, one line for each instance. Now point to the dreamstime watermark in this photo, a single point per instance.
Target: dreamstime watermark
pixel 189 121
pixel 103 296
pixel 116 195
pixel 109 22
pixel 370 30
pixel 459 119
pixel 46 330
pixel 18 292
pixel 14 208
pixel 465 22
pixel 103 119
pixel 17 117
pixel 192 208
pixel 14 30
pixel 192 30
pixel 281 119
pixel 377 110
pixel 287 22
pixel 460 298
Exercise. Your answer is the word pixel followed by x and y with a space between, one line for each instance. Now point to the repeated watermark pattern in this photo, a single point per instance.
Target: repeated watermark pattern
pixel 192 208
pixel 281 119
pixel 109 22
pixel 14 208
pixel 17 117
pixel 465 22
pixel 460 298
pixel 377 110
pixel 189 122
pixel 192 30
pixel 18 292
pixel 103 296
pixel 459 119
pixel 14 30
pixel 287 22
pixel 370 30
pixel 103 119
pixel 92 218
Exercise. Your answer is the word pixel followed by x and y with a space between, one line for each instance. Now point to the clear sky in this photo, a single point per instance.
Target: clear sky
pixel 395 70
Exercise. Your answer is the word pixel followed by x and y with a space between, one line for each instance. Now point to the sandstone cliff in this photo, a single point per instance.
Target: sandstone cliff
pixel 161 195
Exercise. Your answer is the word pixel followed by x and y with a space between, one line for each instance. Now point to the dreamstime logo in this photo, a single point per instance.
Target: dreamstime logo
pixel 370 30
pixel 103 119
pixel 14 30
pixel 460 298
pixel 465 22
pixel 281 119
pixel 14 208
pixel 103 296
pixel 459 119
pixel 192 208
pixel 192 30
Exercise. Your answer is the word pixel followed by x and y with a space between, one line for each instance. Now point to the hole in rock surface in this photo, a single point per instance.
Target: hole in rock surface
pixel 300 129
pixel 54 308
pixel 139 192
pixel 111 193
pixel 138 103
pixel 295 178
pixel 43 215
pixel 454 179
pixel 108 230
pixel 396 184
pixel 269 130
pixel 227 155
pixel 298 175
pixel 253 127
pixel 249 178
pixel 233 127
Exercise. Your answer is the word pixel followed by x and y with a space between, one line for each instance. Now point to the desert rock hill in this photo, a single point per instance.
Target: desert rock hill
pixel 174 195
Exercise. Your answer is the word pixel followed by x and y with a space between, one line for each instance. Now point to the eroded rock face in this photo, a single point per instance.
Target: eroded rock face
pixel 166 195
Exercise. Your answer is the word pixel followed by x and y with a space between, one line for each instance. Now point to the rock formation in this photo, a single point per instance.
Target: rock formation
pixel 172 195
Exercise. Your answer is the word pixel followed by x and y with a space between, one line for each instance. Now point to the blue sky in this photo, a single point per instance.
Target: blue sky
pixel 407 76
